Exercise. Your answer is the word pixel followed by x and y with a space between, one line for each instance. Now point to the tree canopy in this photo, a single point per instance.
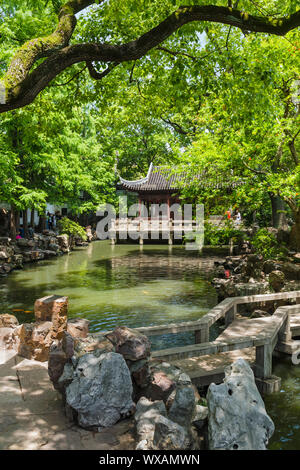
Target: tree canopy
pixel 51 36
pixel 210 87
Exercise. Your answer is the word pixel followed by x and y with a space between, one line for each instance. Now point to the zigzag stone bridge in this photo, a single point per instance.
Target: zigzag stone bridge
pixel 256 340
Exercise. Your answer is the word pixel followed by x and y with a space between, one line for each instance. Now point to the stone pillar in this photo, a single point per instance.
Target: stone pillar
pixel 284 333
pixel 263 361
pixel 202 335
pixel 230 315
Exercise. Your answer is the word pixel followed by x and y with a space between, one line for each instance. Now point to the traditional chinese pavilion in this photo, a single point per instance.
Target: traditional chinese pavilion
pixel 161 186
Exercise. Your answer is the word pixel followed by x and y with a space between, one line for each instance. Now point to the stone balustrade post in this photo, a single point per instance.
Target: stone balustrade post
pixel 230 315
pixel 263 361
pixel 285 334
pixel 202 335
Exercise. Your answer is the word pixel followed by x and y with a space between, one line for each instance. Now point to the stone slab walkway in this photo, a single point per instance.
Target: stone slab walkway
pixel 32 415
pixel 206 369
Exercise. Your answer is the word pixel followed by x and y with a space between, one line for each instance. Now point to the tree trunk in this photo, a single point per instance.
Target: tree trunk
pixel 17 218
pixel 25 223
pixel 278 205
pixel 32 218
pixel 295 233
pixel 42 223
pixel 12 223
pixel 4 222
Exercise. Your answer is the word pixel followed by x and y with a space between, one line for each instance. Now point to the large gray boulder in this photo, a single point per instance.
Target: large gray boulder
pixel 183 408
pixel 237 418
pixel 146 415
pixel 101 390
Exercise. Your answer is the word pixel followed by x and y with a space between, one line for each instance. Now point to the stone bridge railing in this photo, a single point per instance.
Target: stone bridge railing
pixel 226 309
pixel 277 332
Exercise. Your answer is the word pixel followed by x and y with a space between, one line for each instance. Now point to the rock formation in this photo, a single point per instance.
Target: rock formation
pixel 46 245
pixel 100 390
pixel 237 418
pixel 35 339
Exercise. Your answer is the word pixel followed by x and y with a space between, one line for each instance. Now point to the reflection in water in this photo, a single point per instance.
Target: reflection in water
pixel 284 407
pixel 121 285
pixel 135 286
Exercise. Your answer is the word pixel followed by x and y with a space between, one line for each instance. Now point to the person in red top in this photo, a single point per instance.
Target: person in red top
pixel 18 235
pixel 228 214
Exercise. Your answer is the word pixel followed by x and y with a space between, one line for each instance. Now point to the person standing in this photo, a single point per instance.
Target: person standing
pixel 238 217
pixel 228 214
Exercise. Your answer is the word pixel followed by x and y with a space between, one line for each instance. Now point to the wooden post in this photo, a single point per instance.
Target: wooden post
pixel 263 361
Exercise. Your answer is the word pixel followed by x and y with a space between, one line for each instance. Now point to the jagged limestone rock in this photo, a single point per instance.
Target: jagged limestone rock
pixel 237 418
pixel 183 407
pixel 146 415
pixel 101 390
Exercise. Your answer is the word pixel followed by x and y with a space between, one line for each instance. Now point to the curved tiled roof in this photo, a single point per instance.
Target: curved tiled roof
pixel 161 178
pixel 158 178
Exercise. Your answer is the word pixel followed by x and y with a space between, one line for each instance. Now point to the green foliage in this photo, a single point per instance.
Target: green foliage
pixel 50 153
pixel 71 228
pixel 246 125
pixel 215 100
pixel 216 235
pixel 266 244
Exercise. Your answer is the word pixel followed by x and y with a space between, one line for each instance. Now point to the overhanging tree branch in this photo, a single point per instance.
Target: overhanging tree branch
pixel 22 84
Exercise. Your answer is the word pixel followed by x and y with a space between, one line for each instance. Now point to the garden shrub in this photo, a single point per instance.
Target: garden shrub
pixel 71 228
pixel 266 244
pixel 214 235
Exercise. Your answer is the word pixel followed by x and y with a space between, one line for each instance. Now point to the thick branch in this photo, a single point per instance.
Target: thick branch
pixel 22 86
pixel 293 151
pixel 292 205
pixel 37 48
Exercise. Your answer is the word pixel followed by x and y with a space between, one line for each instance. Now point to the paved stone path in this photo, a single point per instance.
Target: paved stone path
pixel 32 416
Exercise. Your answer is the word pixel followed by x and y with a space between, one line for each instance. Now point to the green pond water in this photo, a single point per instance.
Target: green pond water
pixel 140 286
